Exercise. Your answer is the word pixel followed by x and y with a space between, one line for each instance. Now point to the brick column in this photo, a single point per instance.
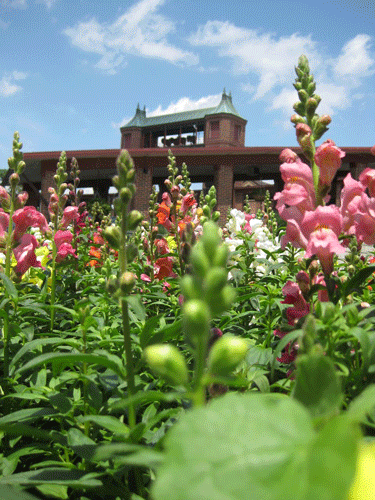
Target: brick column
pixel 224 190
pixel 143 182
pixel 358 169
pixel 34 198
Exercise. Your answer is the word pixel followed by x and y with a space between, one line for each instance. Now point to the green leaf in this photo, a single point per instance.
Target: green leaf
pixel 266 450
pixel 9 286
pixel 29 414
pixel 112 424
pixel 258 355
pixel 65 477
pixel 137 307
pixel 357 280
pixel 332 460
pixel 257 453
pixel 363 404
pixel 54 491
pixel 109 361
pixel 7 493
pixel 318 385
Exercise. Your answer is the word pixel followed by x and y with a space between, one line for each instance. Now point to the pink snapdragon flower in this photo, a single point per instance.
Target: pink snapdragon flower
pixel 322 228
pixel 365 221
pixel 328 158
pixel 63 241
pixel 367 179
pixel 187 201
pixel 62 237
pixel 4 222
pixel 288 156
pixel 298 187
pixel 26 217
pixel 70 214
pixel 64 250
pixel 25 254
pixel 351 202
pixel 161 246
pixel 293 295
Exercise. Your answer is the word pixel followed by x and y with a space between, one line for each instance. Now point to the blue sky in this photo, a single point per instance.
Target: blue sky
pixel 72 73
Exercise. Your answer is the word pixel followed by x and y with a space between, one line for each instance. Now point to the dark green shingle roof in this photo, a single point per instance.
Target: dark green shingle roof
pixel 140 119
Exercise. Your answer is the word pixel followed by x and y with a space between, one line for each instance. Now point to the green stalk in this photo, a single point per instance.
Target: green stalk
pixel 8 259
pixel 199 389
pixel 125 318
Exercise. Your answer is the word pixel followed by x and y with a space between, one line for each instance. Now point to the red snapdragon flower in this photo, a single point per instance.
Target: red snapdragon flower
pixel 25 254
pixel 26 217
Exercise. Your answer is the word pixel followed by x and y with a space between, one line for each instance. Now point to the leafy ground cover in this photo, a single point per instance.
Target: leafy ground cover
pixel 169 359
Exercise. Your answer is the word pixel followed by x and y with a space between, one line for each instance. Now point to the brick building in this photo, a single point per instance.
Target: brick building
pixel 210 141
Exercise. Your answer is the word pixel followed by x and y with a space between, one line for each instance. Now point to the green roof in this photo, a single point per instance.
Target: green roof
pixel 140 119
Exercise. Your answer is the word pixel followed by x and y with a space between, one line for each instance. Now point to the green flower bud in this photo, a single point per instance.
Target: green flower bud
pixel 167 362
pixel 14 180
pixel 130 176
pixel 299 108
pixel 311 106
pixel 210 239
pixel 134 218
pixel 303 95
pixel 226 354
pixel 223 300
pixel 311 88
pixel 125 195
pixel 116 181
pixel 215 280
pixel 221 256
pixel 112 235
pixel 21 167
pixel 127 282
pixel 188 289
pixel 112 286
pixel 196 318
pixel 199 260
pixel 297 119
pixel 131 252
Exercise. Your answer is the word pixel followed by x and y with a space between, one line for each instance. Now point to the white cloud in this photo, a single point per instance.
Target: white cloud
pixel 7 85
pixel 187 104
pixel 140 31
pixel 14 4
pixel 268 62
pixel 183 104
pixel 261 54
pixel 355 59
pixel 47 3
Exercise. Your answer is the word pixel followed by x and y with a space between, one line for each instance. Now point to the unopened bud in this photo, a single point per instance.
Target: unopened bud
pixel 226 354
pixel 14 180
pixel 125 195
pixel 112 235
pixel 167 362
pixel 134 218
pixel 127 282
pixel 303 95
pixel 297 119
pixel 196 318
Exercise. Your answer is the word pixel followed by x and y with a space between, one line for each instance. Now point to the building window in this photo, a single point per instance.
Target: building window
pixel 237 132
pixel 215 129
pixel 126 139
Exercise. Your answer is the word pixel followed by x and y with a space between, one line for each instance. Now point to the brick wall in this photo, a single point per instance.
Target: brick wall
pixel 224 190
pixel 143 180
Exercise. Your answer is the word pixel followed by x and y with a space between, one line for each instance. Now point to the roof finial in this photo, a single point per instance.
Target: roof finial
pixel 138 108
pixel 230 96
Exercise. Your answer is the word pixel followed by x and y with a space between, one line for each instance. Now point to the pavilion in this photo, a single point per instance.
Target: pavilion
pixel 210 141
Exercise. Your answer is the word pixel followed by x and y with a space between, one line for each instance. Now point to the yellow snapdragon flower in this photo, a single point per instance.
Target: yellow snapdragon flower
pixel 363 487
